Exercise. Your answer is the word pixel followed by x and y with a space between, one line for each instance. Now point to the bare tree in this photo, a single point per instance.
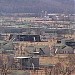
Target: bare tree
pixel 5 66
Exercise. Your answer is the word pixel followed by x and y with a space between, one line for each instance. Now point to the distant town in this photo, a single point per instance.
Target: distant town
pixel 37 44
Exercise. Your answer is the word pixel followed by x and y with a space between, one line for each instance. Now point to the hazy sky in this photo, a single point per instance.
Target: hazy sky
pixel 36 5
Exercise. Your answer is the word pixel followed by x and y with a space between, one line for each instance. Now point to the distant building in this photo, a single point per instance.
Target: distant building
pixel 31 38
pixel 27 62
pixel 64 46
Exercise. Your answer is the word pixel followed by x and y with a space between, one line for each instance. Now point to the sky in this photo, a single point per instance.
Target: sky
pixel 37 6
